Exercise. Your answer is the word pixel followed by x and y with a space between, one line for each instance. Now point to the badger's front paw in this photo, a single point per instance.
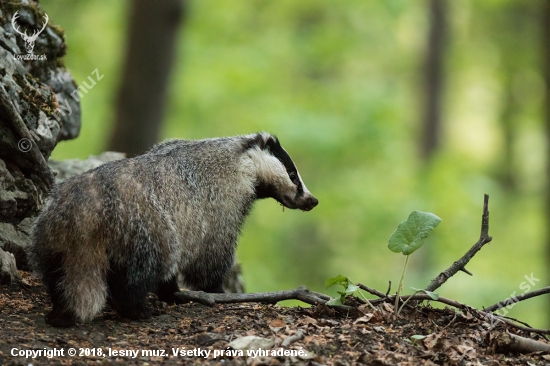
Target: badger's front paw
pixel 136 313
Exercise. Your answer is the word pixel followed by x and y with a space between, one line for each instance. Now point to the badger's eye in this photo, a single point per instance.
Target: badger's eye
pixel 293 177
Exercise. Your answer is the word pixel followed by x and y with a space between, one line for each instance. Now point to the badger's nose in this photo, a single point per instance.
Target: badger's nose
pixel 311 203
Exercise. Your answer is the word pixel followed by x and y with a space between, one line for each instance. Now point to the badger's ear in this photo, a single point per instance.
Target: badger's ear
pixel 264 141
pixel 271 143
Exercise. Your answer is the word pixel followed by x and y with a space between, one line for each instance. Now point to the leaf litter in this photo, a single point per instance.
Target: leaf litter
pixel 422 335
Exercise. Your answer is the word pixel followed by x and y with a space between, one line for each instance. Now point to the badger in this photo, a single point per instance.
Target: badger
pixel 130 227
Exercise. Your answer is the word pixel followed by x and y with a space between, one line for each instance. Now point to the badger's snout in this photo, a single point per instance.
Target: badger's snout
pixel 303 202
pixel 308 203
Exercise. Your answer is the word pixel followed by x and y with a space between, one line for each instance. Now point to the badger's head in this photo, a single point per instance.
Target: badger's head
pixel 277 176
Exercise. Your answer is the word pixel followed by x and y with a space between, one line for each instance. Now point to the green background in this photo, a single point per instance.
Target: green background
pixel 340 83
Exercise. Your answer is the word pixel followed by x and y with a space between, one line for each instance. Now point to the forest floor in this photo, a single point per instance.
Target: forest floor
pixel 197 334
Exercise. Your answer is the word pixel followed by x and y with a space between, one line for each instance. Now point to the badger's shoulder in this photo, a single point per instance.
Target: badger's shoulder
pixel 200 154
pixel 234 144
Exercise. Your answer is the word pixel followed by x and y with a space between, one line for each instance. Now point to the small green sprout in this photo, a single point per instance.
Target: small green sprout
pixel 409 236
pixel 415 339
pixel 349 289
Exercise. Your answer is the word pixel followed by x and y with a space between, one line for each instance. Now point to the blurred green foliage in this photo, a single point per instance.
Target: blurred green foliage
pixel 340 84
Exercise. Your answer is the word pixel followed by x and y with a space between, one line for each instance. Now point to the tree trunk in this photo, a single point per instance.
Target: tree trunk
pixel 508 114
pixel 433 78
pixel 141 101
pixel 433 97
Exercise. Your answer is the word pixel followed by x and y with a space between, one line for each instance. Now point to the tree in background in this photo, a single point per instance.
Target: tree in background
pixel 510 30
pixel 434 86
pixel 434 78
pixel 149 56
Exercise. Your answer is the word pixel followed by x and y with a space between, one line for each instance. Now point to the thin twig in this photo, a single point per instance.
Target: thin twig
pixel 478 313
pixel 525 329
pixel 389 288
pixel 371 290
pixel 515 299
pixel 484 238
pixel 421 297
pixel 516 320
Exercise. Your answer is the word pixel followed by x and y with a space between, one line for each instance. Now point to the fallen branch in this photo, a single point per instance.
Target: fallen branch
pixel 507 342
pixel 460 264
pixel 302 293
pixel 515 299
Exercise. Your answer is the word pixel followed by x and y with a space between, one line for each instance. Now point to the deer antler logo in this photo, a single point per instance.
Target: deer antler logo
pixel 28 39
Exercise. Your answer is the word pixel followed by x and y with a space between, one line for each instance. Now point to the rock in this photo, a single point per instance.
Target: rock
pixel 8 271
pixel 36 108
pixel 67 168
pixel 252 343
pixel 18 194
pixel 15 239
pixel 37 111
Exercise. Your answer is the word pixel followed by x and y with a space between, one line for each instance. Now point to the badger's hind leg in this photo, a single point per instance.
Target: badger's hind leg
pixel 60 316
pixel 166 289
pixel 127 297
pixel 199 278
pixel 133 275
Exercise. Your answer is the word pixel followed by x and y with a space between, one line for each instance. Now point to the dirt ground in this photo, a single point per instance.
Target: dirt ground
pixel 196 334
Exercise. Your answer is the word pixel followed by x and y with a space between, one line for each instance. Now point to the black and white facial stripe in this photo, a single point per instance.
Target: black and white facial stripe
pixel 274 146
pixel 279 178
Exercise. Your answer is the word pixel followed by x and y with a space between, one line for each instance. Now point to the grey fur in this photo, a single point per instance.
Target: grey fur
pixel 130 226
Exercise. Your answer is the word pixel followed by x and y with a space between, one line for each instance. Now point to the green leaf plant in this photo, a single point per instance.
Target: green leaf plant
pixel 415 339
pixel 409 236
pixel 349 289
